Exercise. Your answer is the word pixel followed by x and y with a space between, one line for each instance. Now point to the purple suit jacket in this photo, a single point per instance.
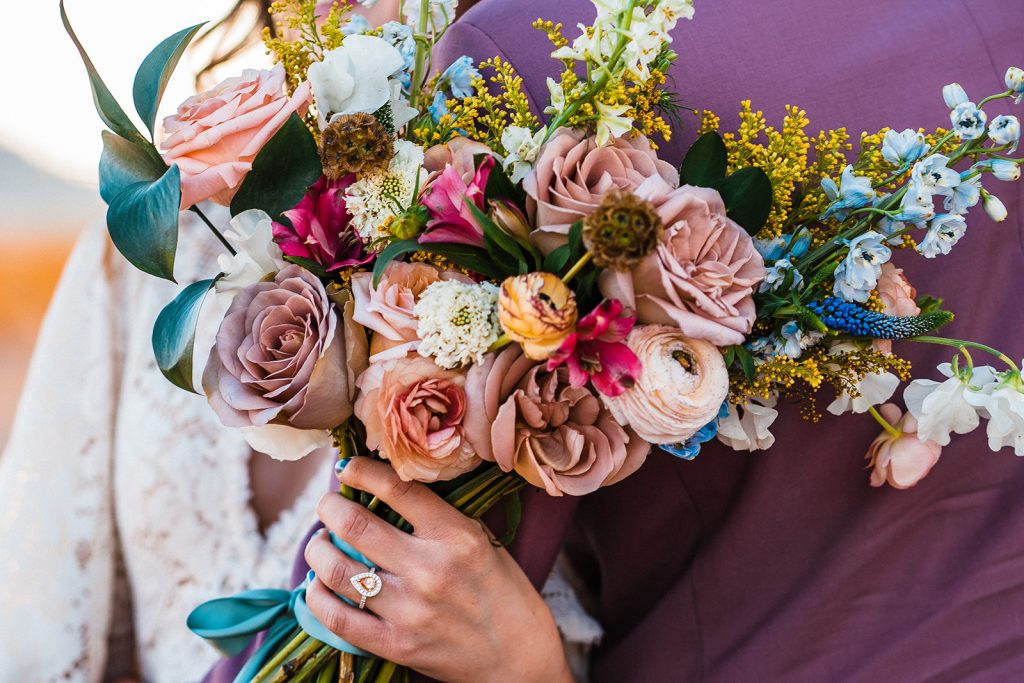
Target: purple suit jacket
pixel 787 565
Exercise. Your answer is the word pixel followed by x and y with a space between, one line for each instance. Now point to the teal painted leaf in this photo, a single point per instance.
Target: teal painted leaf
pixel 286 166
pixel 125 163
pixel 174 334
pixel 106 106
pixel 143 223
pixel 151 78
pixel 747 194
pixel 706 162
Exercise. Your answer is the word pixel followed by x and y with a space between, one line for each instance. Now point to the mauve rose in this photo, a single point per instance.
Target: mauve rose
pixel 387 310
pixel 285 358
pixel 214 136
pixel 557 437
pixel 680 389
pixel 413 411
pixel 703 274
pixel 572 175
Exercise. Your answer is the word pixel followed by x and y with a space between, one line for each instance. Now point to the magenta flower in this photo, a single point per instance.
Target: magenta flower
pixel 320 228
pixel 445 198
pixel 596 350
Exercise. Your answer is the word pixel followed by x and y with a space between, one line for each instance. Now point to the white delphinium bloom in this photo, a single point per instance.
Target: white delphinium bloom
pixel 858 274
pixel 611 123
pixel 943 234
pixel 1015 82
pixel 964 195
pixel 256 257
pixel 901 149
pixel 968 121
pixel 749 431
pixel 458 322
pixel 1002 404
pixel 383 194
pixel 795 340
pixel 1005 130
pixel 954 95
pixel 354 78
pixel 776 276
pixel 935 175
pixel 995 208
pixel 522 148
pixel 917 206
pixel 440 13
pixel 943 408
pixel 852 192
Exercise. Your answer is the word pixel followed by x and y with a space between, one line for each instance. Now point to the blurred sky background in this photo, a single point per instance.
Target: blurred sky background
pixel 50 143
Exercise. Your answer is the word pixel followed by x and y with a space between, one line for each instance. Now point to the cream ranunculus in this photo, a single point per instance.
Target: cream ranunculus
pixel 354 77
pixel 681 388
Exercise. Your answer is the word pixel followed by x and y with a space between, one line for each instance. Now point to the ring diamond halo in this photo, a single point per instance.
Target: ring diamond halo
pixel 367 584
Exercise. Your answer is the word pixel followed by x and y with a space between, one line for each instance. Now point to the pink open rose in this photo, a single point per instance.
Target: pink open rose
pixel 387 309
pixel 558 437
pixel 285 357
pixel 214 136
pixel 572 175
pixel 703 274
pixel 413 411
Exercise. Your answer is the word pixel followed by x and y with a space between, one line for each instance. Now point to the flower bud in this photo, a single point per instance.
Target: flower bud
pixel 1015 81
pixel 995 208
pixel 1004 169
pixel 538 311
pixel 409 224
pixel 954 95
pixel 1004 130
pixel 511 220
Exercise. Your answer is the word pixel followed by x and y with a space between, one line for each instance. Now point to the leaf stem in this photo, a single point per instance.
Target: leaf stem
pixel 575 270
pixel 196 210
pixel 961 343
pixel 885 423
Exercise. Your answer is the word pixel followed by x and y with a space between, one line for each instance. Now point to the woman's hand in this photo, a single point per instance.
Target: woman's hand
pixel 453 606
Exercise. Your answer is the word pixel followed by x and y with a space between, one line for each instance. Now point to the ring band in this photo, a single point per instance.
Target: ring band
pixel 367 584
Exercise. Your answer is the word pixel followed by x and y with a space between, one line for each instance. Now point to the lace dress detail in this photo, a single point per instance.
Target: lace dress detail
pixel 125 503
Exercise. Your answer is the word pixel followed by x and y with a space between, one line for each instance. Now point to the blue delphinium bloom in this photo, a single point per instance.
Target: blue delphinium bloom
pixel 934 174
pixel 793 245
pixel 459 77
pixel 943 234
pixel 691 449
pixel 968 121
pixel 1002 169
pixel 917 206
pixel 439 107
pixel 357 25
pixel 853 192
pixel 763 348
pixel 776 276
pixel 1005 130
pixel 858 274
pixel 965 195
pixel 400 36
pixel 794 340
pixel 903 149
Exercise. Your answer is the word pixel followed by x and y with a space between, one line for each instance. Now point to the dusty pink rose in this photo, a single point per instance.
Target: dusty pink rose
pixel 557 437
pixel 681 388
pixel 214 136
pixel 901 461
pixel 284 356
pixel 387 310
pixel 572 175
pixel 898 297
pixel 414 413
pixel 701 277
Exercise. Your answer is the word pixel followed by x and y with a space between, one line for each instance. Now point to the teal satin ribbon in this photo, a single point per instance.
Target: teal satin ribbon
pixel 231 624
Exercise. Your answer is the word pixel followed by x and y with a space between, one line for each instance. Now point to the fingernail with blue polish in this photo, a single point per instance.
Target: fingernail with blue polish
pixel 340 466
pixel 310 576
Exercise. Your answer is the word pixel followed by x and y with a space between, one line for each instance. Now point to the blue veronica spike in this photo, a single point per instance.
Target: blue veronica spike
pixel 848 317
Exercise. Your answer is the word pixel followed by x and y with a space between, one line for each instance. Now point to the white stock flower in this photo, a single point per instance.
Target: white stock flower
pixel 1002 403
pixel 457 322
pixel 383 194
pixel 749 431
pixel 522 148
pixel 252 236
pixel 354 77
pixel 943 408
pixel 611 123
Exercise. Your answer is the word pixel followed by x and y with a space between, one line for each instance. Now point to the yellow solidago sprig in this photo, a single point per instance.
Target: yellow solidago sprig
pixel 484 115
pixel 302 36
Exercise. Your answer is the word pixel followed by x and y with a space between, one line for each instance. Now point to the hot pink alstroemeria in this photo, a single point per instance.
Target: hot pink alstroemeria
pixel 320 229
pixel 445 198
pixel 596 350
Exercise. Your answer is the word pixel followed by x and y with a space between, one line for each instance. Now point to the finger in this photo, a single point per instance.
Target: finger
pixel 427 512
pixel 353 625
pixel 381 543
pixel 335 569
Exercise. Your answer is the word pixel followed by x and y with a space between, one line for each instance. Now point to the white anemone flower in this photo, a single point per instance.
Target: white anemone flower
pixel 355 77
pixel 749 431
pixel 943 408
pixel 1002 403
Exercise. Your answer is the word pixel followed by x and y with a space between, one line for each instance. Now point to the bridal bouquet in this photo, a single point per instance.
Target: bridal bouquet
pixel 423 269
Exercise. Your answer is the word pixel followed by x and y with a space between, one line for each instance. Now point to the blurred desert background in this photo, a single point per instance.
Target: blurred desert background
pixel 50 145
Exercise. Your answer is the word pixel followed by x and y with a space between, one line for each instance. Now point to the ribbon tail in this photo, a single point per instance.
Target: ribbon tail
pixel 277 637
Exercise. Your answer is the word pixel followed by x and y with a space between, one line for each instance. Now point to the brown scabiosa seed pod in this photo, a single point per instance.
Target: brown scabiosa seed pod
pixel 355 143
pixel 622 231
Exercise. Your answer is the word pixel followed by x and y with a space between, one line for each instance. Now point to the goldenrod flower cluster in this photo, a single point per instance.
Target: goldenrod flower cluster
pixel 484 115
pixel 302 37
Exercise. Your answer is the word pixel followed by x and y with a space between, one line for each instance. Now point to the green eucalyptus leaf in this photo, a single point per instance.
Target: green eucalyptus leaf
pixel 106 106
pixel 143 223
pixel 174 334
pixel 747 194
pixel 391 252
pixel 152 77
pixel 286 166
pixel 706 162
pixel 125 163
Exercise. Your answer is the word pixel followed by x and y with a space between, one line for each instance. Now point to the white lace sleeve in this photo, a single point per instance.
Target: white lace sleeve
pixel 56 518
pixel 580 631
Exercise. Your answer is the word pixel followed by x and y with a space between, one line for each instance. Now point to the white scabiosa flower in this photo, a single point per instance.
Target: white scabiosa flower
pixel 746 427
pixel 943 408
pixel 458 322
pixel 522 148
pixel 382 194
